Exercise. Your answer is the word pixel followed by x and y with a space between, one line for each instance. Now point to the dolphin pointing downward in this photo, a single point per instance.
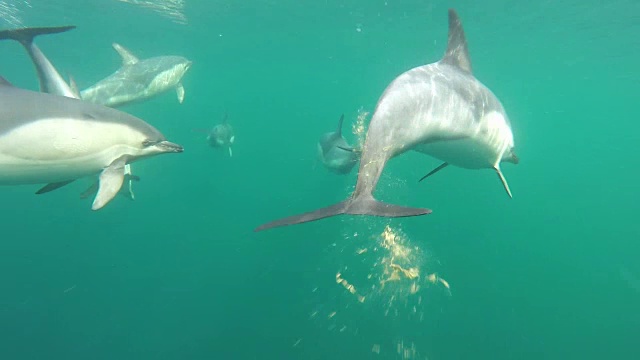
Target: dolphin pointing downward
pixel 138 80
pixel 54 140
pixel 334 152
pixel 439 109
pixel 52 82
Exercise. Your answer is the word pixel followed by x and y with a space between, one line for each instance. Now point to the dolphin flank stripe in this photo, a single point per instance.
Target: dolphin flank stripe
pixel 54 140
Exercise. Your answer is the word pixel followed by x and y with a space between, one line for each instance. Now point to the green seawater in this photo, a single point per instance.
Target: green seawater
pixel 178 273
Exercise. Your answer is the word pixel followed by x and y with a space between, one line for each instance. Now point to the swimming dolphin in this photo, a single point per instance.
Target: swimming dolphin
pixel 439 109
pixel 222 135
pixel 138 80
pixel 55 140
pixel 334 152
pixel 53 83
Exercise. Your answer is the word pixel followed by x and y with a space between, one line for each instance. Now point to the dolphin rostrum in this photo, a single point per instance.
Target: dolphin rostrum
pixel 334 152
pixel 439 109
pixel 53 83
pixel 55 140
pixel 138 80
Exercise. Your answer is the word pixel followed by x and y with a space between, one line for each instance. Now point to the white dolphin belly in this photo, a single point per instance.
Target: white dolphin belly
pixel 54 150
pixel 465 153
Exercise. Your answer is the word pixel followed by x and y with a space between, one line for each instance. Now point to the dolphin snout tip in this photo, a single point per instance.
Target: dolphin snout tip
pixel 171 147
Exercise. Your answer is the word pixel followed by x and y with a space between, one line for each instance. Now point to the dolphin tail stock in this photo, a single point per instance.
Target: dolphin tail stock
pixel 364 204
pixel 26 35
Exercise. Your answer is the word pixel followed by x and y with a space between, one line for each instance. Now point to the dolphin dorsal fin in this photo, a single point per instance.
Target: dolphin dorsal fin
pixel 127 57
pixel 339 131
pixel 4 82
pixel 457 53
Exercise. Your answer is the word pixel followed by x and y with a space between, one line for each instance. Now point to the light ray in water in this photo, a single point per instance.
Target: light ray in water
pixel 172 9
pixel 11 13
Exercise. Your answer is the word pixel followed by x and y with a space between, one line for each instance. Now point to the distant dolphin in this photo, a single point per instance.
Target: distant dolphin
pixel 334 152
pixel 138 80
pixel 52 82
pixel 53 139
pixel 439 109
pixel 222 135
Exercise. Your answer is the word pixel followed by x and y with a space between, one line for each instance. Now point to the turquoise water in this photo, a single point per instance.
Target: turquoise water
pixel 179 273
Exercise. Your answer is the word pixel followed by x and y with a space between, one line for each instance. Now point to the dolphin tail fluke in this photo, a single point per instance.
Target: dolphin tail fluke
pixel 362 205
pixel 26 35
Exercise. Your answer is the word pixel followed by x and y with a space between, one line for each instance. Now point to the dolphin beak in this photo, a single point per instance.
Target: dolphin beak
pixel 515 159
pixel 168 146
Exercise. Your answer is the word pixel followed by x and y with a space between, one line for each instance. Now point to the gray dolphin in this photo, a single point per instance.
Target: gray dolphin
pixel 138 80
pixel 334 152
pixel 48 76
pixel 55 140
pixel 439 109
pixel 222 135
pixel 52 82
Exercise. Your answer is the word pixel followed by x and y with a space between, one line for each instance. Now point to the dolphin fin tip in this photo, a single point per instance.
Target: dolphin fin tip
pixel 505 184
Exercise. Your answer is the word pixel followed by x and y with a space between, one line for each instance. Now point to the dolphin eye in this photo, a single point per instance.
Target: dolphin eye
pixel 148 143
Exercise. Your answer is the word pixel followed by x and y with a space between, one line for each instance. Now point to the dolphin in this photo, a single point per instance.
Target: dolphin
pixel 53 83
pixel 138 80
pixel 334 152
pixel 222 135
pixel 49 78
pixel 439 109
pixel 54 140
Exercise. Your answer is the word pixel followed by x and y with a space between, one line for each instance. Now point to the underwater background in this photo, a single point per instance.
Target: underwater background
pixel 179 273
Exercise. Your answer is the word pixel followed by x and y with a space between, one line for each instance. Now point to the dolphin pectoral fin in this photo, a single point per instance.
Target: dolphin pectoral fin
pixel 129 178
pixel 442 166
pixel 503 180
pixel 180 92
pixel 353 150
pixel 53 186
pixel 362 205
pixel 233 138
pixel 90 190
pixel 110 182
pixel 230 152
pixel 129 191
